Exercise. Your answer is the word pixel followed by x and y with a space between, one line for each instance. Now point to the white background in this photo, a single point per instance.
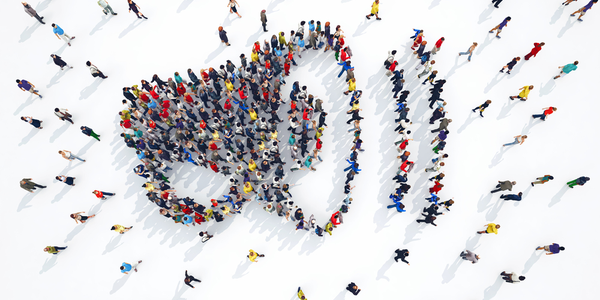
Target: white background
pixel 183 35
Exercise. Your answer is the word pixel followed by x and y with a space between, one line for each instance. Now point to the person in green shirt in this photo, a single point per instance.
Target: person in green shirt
pixel 566 69
pixel 54 249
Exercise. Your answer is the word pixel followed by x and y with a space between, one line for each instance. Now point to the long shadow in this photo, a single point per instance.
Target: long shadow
pixel 49 264
pixel 570 22
pixel 78 228
pixel 411 232
pixel 273 5
pixel 98 26
pixel 558 196
pixel 491 291
pixel 497 78
pixel 89 90
pixel 31 134
pixel 535 256
pixel 119 283
pixel 179 290
pixel 470 118
pixel 254 37
pixel 547 88
pixel 455 67
pixel 241 269
pixel 485 15
pixel 528 126
pixel 62 193
pixel 504 112
pixel 492 213
pixel 27 102
pixel 26 34
pixel 488 40
pixel 184 5
pixel 482 204
pixel 55 79
pixel 434 3
pixel 341 295
pixel 214 54
pixel 361 29
pixel 193 252
pixel 386 266
pixel 132 26
pixel 113 244
pixel 58 132
pixel 42 5
pixel 497 157
pixel 26 199
pixel 450 270
pixel 557 14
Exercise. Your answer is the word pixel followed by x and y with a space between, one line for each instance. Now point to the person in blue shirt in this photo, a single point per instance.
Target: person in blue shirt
pixel 60 33
pixel 515 197
pixel 566 69
pixel 353 166
pixel 345 67
pixel 551 249
pixel 584 9
pixel 500 26
pixel 126 267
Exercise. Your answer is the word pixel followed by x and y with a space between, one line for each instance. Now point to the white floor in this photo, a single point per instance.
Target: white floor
pixel 183 35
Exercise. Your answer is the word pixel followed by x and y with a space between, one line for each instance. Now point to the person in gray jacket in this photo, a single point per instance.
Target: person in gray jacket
pixel 470 256
pixel 443 125
pixel 30 11
pixel 263 20
pixel 106 7
pixel 504 185
pixel 29 185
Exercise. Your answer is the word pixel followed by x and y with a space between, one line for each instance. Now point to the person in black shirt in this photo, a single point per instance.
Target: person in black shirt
pixel 353 288
pixel 428 219
pixel 401 255
pixel 482 107
pixel 189 278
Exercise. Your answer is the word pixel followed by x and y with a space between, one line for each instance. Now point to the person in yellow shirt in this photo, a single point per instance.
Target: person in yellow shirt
pixel 274 134
pixel 253 114
pixel 149 186
pixel 329 228
pixel 301 294
pixel 523 94
pixel 253 255
pixel 226 210
pixel 374 10
pixel 248 187
pixel 254 55
pixel 251 165
pixel 120 228
pixel 491 228
pixel 351 86
pixel 228 85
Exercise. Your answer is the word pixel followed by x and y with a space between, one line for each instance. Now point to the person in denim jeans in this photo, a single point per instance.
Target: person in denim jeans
pixel 68 155
pixel 470 51
pixel 519 139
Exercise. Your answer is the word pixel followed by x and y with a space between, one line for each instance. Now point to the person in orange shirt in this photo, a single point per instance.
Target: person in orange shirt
pixel 547 111
pixel 102 195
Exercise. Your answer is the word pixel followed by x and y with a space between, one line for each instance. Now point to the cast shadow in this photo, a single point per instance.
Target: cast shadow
pixel 61 194
pixel 504 112
pixel 58 132
pixel 386 266
pixel 557 14
pixel 558 196
pixel 567 26
pixel 214 54
pixel 193 252
pixel 532 260
pixel 25 104
pixel 493 82
pixel 184 5
pixel 119 283
pixel 485 15
pixel 497 158
pixel 273 5
pixel 49 264
pixel 98 26
pixel 42 5
pixel 362 28
pixel 341 295
pixel 26 199
pixel 528 126
pixel 488 40
pixel 56 77
pixel 492 213
pixel 26 34
pixel 179 290
pixel 434 3
pixel 74 232
pixel 88 91
pixel 547 88
pixel 113 244
pixel 241 269
pixel 253 38
pixel 450 270
pixel 482 204
pixel 31 134
pixel 131 27
pixel 455 67
pixel 491 291
pixel 468 122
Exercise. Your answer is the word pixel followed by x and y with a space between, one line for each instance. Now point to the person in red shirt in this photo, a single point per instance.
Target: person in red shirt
pixel 214 167
pixel 102 195
pixel 336 219
pixel 125 124
pixel 536 48
pixel 418 40
pixel 227 105
pixel 436 188
pixel 406 164
pixel 286 67
pixel 437 46
pixel 241 93
pixel 547 111
pixel 153 93
pixel 165 113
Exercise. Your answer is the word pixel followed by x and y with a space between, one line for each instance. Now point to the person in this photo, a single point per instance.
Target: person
pixel 512 277
pixel 496 2
pixel 353 288
pixel 59 62
pixel 504 185
pixel 470 256
pixel 135 8
pixel 106 7
pixel 89 132
pixel 490 228
pixel 27 86
pixel 443 126
pixel 428 219
pixel 551 249
pixel 566 69
pixel 94 70
pixel 510 65
pixel 437 45
pixel 32 13
pixel 126 267
pixel 34 122
pixel 515 197
pixel 62 113
pixel 263 19
pixel 374 10
pixel 189 279
pixel 60 33
pixel 401 255
pixel 68 155
pixel 469 51
pixel 223 36
pixel 102 195
pixel 523 94
pixel 536 48
pixel 300 294
pixel 66 179
pixel 542 180
pixel 79 218
pixel 584 9
pixel 204 236
pixel 579 181
pixel 253 255
pixel 547 111
pixel 519 139
pixel 500 26
pixel 568 2
pixel 232 7
pixel 482 107
pixel 29 185
pixel 120 228
pixel 54 249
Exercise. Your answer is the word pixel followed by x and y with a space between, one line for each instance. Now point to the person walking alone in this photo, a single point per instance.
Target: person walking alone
pixel 54 249
pixel 584 9
pixel 401 255
pixel 27 86
pixel 59 62
pixel 34 122
pixel 470 256
pixel 566 69
pixel 523 94
pixel 94 70
pixel 126 267
pixel 89 132
pixel 232 7
pixel 503 186
pixel 547 111
pixel 519 139
pixel 536 48
pixel 579 181
pixel 500 26
pixel 496 2
pixel 31 12
pixel 189 279
pixel 254 255
pixel 437 46
pixel 510 65
pixel 68 155
pixel 223 36
pixel 135 8
pixel 490 228
pixel 469 51
pixel 29 185
pixel 102 195
pixel 120 229
pixel 482 107
pixel 60 34
pixel 551 249
pixel 542 180
pixel 512 277
pixel 263 20
pixel 374 10
pixel 106 7
pixel 62 113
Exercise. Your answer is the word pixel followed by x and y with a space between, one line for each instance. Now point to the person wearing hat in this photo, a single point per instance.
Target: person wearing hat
pixel 263 19
pixel 120 228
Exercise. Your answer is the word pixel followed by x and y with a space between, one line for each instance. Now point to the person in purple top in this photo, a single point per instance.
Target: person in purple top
pixel 502 25
pixel 551 249
pixel 27 86
pixel 584 9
